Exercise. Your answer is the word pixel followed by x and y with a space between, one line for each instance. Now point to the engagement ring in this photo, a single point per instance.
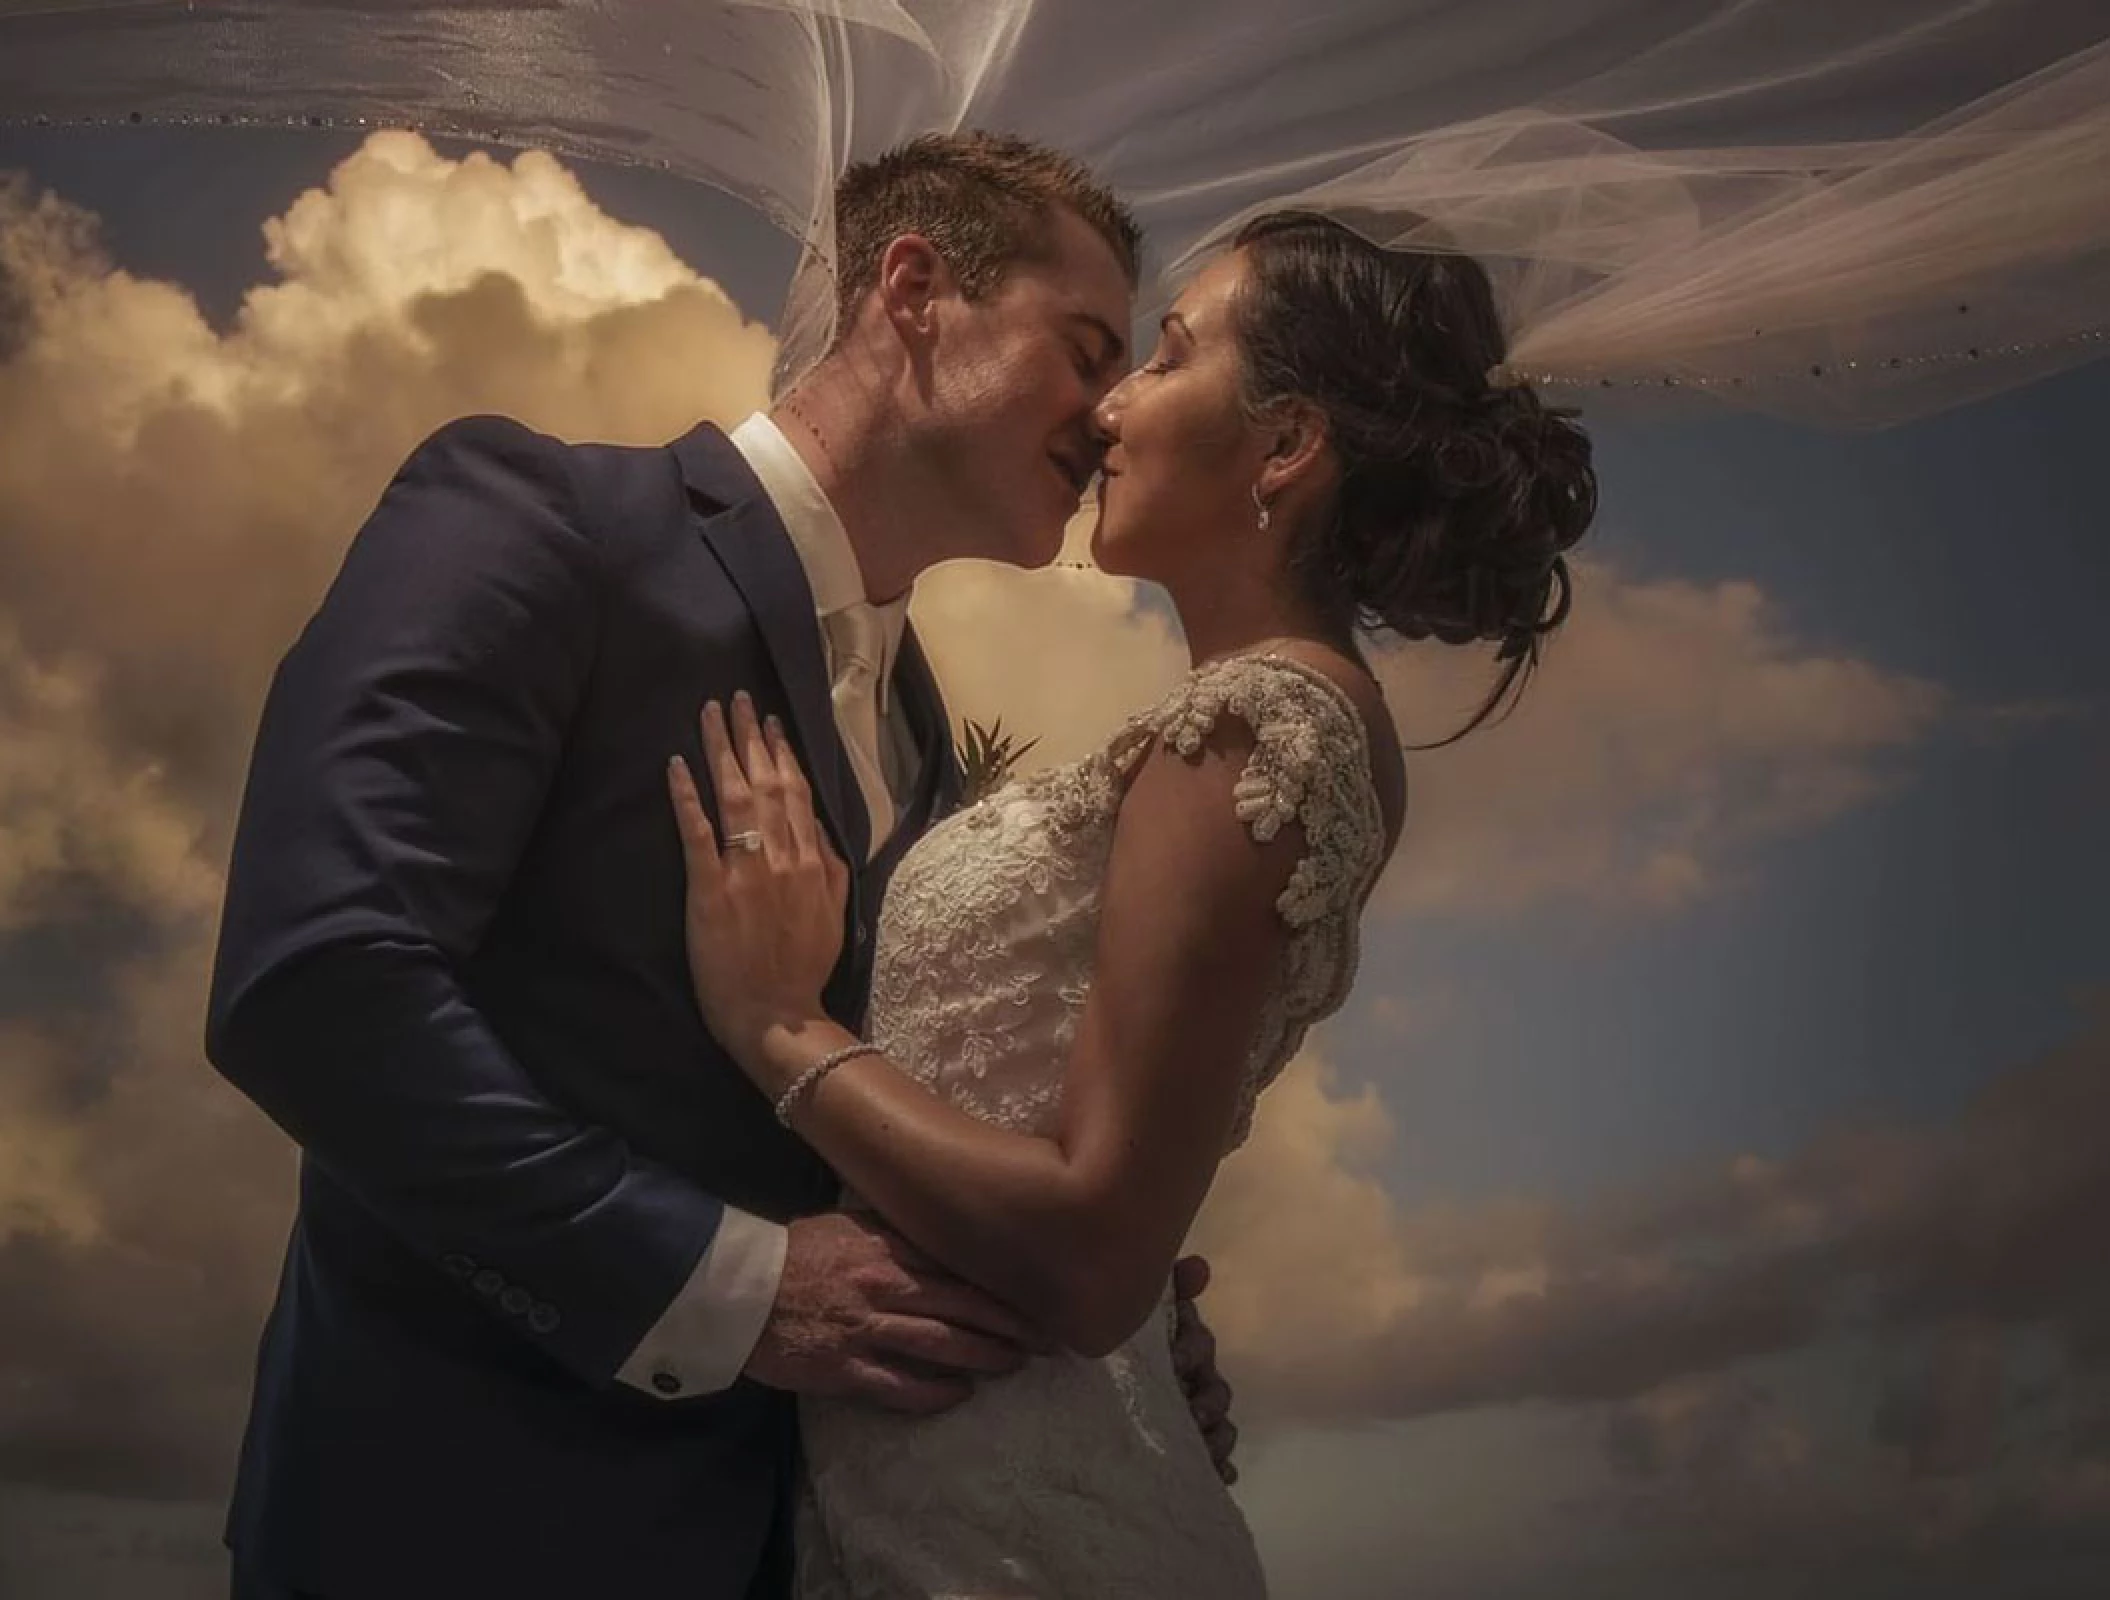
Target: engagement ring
pixel 750 840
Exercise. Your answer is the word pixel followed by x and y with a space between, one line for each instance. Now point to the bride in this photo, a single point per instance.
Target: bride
pixel 1084 981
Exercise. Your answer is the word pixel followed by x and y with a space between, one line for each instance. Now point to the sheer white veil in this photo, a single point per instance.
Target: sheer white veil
pixel 1848 213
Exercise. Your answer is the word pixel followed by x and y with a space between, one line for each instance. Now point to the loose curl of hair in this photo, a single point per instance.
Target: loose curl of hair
pixel 1458 499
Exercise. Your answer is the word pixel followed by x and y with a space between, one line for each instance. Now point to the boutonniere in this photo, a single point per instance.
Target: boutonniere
pixel 987 756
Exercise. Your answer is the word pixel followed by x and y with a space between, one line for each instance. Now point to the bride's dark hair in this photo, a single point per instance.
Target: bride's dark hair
pixel 1458 498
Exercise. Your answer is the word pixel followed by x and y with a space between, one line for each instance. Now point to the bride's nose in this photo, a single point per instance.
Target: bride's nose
pixel 1106 415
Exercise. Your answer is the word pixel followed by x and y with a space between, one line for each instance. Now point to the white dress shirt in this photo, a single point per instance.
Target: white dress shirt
pixel 703 1339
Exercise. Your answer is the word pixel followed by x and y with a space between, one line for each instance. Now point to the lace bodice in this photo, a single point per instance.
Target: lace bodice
pixel 986 943
pixel 1075 1477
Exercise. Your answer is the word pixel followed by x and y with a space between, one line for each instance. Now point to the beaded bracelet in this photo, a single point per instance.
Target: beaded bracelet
pixel 803 1084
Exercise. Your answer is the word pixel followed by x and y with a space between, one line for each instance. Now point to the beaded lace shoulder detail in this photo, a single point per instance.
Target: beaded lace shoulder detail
pixel 1310 766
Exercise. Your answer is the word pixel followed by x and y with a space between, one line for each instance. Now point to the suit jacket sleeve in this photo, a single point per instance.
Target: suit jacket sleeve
pixel 403 755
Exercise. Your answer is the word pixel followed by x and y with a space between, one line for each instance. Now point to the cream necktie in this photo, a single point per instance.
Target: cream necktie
pixel 856 642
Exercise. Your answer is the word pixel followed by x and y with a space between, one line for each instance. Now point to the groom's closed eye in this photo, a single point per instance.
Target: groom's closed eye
pixel 1104 349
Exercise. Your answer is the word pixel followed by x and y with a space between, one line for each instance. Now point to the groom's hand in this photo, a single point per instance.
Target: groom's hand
pixel 1194 1358
pixel 861 1314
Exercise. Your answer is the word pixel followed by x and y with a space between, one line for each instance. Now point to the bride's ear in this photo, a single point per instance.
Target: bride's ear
pixel 1297 455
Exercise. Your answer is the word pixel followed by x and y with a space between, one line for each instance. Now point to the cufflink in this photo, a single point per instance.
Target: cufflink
pixel 666 1383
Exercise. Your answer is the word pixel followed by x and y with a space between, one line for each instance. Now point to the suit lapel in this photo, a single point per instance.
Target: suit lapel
pixel 937 787
pixel 742 529
pixel 938 782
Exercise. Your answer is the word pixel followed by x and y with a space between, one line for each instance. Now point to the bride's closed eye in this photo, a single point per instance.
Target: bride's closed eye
pixel 1162 357
pixel 1173 333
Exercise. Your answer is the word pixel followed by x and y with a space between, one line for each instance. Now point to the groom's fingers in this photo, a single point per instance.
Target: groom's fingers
pixel 1190 1276
pixel 948 1300
pixel 1211 1405
pixel 1193 1348
pixel 915 1393
pixel 944 1346
pixel 916 1285
pixel 1222 1442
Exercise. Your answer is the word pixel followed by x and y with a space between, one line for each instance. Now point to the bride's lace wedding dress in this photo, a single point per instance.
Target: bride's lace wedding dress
pixel 1083 1479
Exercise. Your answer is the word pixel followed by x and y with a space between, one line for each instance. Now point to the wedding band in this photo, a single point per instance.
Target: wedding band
pixel 750 840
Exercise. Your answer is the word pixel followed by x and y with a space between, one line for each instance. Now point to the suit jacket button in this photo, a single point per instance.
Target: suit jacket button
pixel 666 1383
pixel 487 1282
pixel 863 938
pixel 457 1266
pixel 543 1318
pixel 515 1301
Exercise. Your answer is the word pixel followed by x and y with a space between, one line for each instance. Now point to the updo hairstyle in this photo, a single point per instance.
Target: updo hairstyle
pixel 1461 491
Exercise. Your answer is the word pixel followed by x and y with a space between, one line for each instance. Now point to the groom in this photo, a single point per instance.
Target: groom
pixel 556 1271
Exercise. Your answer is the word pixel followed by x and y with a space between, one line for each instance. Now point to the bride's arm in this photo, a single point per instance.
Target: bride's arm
pixel 1078 1231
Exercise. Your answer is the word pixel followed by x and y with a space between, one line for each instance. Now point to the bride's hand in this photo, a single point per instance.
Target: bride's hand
pixel 765 903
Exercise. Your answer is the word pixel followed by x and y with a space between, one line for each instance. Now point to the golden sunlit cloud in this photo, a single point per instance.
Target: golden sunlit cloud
pixel 1059 656
pixel 76 810
pixel 1726 1472
pixel 174 497
pixel 1340 1305
pixel 1672 727
pixel 44 1185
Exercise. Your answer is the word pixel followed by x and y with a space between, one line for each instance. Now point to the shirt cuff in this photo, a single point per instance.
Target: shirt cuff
pixel 703 1339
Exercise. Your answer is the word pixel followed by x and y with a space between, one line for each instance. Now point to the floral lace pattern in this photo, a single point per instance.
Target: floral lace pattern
pixel 1076 1477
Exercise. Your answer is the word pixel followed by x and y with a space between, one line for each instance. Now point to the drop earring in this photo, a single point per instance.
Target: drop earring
pixel 1260 506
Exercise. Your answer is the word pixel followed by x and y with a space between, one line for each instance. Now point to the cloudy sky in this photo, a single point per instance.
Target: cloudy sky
pixel 1705 1185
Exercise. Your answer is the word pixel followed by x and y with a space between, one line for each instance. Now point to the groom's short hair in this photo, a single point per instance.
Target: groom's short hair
pixel 984 200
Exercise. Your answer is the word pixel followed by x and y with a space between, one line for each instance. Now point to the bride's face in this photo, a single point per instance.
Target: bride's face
pixel 1182 454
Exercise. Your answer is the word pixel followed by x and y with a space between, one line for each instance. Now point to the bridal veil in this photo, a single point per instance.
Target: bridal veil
pixel 1845 213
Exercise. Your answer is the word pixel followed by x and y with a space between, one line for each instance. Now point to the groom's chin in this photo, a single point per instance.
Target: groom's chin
pixel 1047 549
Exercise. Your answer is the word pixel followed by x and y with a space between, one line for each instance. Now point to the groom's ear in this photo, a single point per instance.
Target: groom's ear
pixel 1296 435
pixel 912 277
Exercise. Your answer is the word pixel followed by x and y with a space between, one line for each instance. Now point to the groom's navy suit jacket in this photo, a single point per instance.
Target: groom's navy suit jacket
pixel 451 967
